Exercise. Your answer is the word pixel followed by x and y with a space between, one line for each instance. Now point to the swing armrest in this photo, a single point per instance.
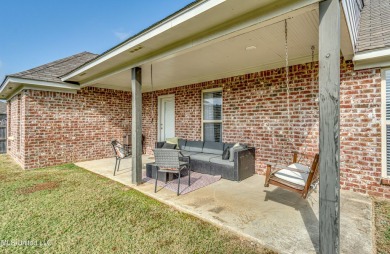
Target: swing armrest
pixel 272 166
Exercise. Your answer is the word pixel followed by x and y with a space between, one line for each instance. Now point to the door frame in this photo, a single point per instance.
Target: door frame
pixel 159 105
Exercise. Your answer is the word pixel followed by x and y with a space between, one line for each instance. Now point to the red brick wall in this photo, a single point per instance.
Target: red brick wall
pixel 255 111
pixel 75 127
pixel 361 131
pixel 15 128
pixel 63 127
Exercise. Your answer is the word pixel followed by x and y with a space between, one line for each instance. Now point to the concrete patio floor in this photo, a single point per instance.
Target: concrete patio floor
pixel 272 217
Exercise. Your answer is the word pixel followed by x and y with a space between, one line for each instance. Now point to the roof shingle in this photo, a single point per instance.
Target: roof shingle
pixel 53 71
pixel 374 29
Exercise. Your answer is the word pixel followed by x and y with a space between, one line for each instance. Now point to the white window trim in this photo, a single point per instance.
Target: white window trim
pixel 211 121
pixel 384 123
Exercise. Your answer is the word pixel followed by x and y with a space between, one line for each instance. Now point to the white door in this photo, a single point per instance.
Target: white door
pixel 167 117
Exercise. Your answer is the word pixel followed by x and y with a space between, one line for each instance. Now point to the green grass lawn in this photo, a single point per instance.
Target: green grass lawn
pixel 74 211
pixel 382 222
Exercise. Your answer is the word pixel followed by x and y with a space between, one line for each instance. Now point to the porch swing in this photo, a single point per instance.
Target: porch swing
pixel 297 176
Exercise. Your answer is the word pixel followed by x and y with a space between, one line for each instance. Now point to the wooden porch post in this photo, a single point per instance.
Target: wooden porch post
pixel 329 99
pixel 136 129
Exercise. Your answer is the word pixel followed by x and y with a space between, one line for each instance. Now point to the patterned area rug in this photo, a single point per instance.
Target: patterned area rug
pixel 198 181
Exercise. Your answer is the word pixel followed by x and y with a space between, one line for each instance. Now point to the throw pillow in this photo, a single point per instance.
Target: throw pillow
pixel 169 146
pixel 173 140
pixel 225 154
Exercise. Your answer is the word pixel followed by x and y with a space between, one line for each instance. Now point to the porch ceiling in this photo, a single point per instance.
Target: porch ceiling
pixel 229 57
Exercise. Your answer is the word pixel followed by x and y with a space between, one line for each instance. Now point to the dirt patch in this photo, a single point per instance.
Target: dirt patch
pixel 216 209
pixel 2 177
pixel 39 187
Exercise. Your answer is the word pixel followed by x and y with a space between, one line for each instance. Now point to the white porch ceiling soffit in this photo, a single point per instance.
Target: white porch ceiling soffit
pixel 207 26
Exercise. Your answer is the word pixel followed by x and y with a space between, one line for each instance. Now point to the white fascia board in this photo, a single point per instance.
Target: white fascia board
pixel 38 83
pixel 160 28
pixel 372 59
pixel 372 54
pixel 37 88
pixel 21 84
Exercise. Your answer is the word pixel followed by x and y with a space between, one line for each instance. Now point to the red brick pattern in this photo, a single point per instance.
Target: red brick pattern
pixel 15 128
pixel 255 111
pixel 64 128
pixel 361 131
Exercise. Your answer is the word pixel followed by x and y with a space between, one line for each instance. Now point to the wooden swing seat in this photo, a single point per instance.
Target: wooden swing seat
pixel 295 177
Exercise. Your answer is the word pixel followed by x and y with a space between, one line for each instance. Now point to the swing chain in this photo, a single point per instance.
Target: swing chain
pixel 152 96
pixel 290 131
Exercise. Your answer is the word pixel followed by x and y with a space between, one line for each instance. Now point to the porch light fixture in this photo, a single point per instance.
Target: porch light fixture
pixel 82 74
pixel 250 48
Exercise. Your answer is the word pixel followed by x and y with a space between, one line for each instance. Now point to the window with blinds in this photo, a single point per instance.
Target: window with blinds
pixel 387 125
pixel 212 115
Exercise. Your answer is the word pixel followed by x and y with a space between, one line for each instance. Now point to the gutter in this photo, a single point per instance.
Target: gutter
pixel 372 59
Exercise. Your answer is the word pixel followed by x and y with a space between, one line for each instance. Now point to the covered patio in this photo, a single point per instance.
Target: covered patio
pixel 271 216
pixel 262 57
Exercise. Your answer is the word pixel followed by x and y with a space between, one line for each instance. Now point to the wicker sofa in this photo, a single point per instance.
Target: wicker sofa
pixel 206 157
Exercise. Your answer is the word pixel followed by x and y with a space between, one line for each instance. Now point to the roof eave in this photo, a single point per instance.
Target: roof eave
pixel 378 58
pixel 18 82
pixel 144 34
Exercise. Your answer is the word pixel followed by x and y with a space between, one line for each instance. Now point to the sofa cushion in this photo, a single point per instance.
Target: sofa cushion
pixel 188 153
pixel 219 160
pixel 292 176
pixel 226 153
pixel 228 145
pixel 181 143
pixel 169 145
pixel 194 146
pixel 213 147
pixel 203 156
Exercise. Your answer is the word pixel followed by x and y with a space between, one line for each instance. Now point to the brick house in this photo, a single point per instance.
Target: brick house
pixel 69 110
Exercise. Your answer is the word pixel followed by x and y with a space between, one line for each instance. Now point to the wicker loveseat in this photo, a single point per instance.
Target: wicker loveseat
pixel 206 157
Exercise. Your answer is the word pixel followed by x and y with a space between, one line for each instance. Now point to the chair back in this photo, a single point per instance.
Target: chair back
pixel 119 151
pixel 166 158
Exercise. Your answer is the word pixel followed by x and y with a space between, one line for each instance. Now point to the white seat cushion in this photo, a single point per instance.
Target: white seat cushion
pixel 292 176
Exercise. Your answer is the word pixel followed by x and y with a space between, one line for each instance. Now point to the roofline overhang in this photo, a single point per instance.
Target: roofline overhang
pixel 378 58
pixel 22 84
pixel 175 19
pixel 269 16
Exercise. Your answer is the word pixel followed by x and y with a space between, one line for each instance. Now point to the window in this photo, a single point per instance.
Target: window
pixel 386 123
pixel 212 115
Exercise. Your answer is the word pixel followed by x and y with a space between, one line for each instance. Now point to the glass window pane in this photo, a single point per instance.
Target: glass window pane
pixel 212 105
pixel 212 132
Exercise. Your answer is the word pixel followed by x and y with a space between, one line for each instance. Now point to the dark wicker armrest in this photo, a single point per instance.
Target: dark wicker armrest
pixel 244 163
pixel 184 158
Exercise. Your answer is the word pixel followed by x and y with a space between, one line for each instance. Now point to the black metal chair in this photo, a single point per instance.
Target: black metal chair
pixel 169 161
pixel 120 153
